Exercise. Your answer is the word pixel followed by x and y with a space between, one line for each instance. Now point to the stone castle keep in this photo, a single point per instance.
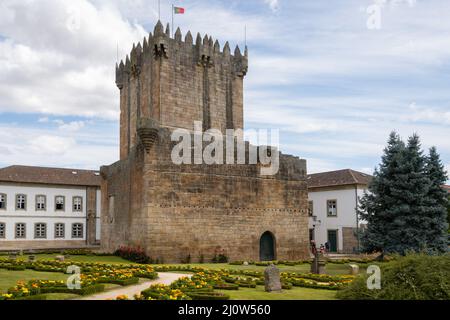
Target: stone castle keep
pixel 175 211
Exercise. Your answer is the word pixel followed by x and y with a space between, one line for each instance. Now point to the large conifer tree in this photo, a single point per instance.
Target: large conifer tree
pixel 404 206
pixel 438 202
pixel 376 205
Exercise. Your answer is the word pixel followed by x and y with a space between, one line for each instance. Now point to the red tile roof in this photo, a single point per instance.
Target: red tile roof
pixel 447 188
pixel 56 176
pixel 338 178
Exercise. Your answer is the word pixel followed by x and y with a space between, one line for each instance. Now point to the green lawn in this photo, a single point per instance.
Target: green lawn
pixel 9 279
pixel 332 269
pixel 296 293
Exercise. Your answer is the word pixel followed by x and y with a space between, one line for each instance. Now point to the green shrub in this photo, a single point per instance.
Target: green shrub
pixel 120 282
pixel 16 268
pixel 137 255
pixel 237 263
pixel 208 296
pixel 34 297
pixel 84 291
pixel 286 285
pixel 219 258
pixel 414 277
pixel 226 286
pixel 245 284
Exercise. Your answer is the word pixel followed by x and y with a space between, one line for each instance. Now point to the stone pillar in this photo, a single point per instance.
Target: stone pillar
pixel 91 213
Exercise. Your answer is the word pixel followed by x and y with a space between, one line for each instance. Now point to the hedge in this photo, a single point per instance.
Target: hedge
pixel 95 288
pixel 226 286
pixel 121 282
pixel 208 296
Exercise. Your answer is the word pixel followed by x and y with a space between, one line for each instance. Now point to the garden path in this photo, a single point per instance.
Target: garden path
pixel 130 291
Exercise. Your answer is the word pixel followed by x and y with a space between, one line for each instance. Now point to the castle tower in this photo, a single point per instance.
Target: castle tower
pixel 194 210
pixel 168 82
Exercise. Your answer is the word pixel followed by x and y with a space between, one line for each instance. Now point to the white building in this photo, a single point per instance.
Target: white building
pixel 333 199
pixel 43 208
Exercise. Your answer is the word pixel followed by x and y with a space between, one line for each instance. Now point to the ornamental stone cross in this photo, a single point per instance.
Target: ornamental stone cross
pixel 272 279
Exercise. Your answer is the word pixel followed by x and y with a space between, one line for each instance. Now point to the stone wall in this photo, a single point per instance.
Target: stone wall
pixel 350 241
pixel 175 211
pixel 91 215
pixel 177 82
pixel 35 245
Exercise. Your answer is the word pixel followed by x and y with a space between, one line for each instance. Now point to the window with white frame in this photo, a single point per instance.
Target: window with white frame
pixel 77 230
pixel 41 203
pixel 77 204
pixel 60 230
pixel 59 203
pixel 40 231
pixel 2 230
pixel 21 232
pixel 332 208
pixel 2 201
pixel 21 202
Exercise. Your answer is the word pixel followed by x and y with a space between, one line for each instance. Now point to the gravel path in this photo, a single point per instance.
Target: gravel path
pixel 130 291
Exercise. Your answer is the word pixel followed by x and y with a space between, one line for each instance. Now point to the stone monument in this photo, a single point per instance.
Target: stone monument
pixel 272 279
pixel 318 264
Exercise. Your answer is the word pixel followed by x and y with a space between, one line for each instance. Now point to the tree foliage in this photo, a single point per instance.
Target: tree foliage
pixel 406 206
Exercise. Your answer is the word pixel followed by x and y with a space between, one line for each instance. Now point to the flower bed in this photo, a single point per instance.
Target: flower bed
pixel 93 276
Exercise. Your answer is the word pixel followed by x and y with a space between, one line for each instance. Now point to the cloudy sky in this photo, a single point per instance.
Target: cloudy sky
pixel 334 76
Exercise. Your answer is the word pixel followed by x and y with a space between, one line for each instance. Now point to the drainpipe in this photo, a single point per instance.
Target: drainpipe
pixel 357 218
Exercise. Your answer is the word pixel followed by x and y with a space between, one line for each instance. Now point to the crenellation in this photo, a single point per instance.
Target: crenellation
pixel 217 47
pixel 227 50
pixel 178 36
pixel 159 29
pixel 189 39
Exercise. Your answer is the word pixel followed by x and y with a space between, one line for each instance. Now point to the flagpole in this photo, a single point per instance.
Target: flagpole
pixel 245 35
pixel 173 9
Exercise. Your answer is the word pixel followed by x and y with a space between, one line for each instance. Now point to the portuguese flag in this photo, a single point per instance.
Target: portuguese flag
pixel 178 10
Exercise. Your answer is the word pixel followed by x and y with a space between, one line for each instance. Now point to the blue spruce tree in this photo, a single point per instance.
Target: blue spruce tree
pixel 405 206
pixel 437 202
pixel 376 206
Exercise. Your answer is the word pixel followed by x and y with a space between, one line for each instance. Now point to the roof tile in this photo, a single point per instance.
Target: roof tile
pixel 57 176
pixel 338 178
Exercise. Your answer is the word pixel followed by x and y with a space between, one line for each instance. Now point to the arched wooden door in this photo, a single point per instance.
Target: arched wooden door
pixel 267 247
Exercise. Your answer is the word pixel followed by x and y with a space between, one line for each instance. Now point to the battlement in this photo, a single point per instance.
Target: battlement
pixel 176 83
pixel 205 51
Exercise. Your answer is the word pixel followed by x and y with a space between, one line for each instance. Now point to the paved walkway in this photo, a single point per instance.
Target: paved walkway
pixel 130 291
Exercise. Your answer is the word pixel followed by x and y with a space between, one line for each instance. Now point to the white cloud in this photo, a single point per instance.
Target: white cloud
pixel 273 4
pixel 50 145
pixel 61 71
pixel 72 126
pixel 89 149
pixel 318 74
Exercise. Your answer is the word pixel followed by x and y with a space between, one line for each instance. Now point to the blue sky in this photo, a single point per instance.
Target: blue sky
pixel 332 85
